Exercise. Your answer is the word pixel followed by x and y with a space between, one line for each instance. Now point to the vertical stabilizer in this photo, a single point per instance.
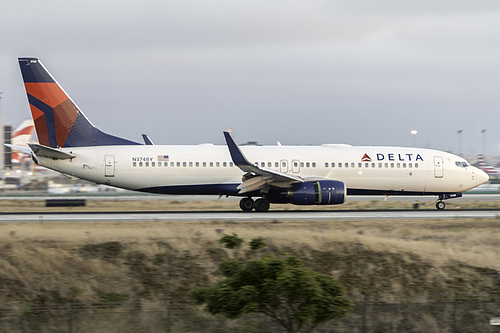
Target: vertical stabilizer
pixel 489 169
pixel 58 121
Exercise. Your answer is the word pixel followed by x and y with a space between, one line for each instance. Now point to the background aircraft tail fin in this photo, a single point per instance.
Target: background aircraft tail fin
pixel 58 120
pixel 483 165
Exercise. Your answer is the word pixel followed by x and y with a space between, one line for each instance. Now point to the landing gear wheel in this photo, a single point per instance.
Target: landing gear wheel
pixel 440 205
pixel 246 204
pixel 261 205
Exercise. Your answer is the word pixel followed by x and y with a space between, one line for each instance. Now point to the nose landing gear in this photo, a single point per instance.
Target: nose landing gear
pixel 440 205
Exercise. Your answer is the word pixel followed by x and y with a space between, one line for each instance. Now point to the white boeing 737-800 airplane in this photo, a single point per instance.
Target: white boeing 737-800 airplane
pixel 301 175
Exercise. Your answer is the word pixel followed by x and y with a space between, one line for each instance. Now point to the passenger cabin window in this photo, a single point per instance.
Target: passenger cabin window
pixel 224 164
pixel 134 164
pixel 153 164
pixel 333 164
pixel 313 164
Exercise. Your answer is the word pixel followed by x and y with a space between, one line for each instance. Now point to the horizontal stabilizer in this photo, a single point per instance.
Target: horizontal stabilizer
pixel 54 153
pixel 22 149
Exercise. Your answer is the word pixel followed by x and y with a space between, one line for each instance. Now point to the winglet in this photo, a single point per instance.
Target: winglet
pixel 147 140
pixel 237 156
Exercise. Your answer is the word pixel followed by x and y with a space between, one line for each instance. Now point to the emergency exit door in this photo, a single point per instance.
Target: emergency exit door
pixel 109 166
pixel 438 167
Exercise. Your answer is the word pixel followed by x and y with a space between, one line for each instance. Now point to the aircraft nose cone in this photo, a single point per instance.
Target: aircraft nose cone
pixel 481 177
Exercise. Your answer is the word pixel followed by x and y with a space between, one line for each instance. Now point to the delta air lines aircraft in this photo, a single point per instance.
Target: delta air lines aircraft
pixel 301 175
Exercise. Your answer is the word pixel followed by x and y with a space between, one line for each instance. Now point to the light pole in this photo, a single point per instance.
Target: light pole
pixel 483 137
pixel 414 135
pixel 459 132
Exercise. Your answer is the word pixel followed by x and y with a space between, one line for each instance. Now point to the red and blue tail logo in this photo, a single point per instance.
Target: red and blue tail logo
pixel 58 121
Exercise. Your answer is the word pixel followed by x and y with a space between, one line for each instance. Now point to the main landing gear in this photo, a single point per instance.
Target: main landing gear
pixel 260 205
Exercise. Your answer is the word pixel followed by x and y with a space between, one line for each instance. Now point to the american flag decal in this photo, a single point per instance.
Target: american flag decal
pixel 162 158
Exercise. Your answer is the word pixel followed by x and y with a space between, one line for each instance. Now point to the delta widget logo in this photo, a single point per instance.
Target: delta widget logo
pixel 366 158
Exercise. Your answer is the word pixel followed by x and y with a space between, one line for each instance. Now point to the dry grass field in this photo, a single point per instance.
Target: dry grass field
pixel 152 261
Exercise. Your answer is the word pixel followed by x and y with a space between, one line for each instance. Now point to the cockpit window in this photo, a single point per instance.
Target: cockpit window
pixel 461 164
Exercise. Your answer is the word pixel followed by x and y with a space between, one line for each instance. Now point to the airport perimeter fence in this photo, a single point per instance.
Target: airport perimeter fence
pixel 472 314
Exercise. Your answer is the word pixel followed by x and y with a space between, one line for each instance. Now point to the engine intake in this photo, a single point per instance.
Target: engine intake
pixel 319 192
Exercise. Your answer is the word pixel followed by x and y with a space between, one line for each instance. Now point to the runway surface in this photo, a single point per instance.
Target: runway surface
pixel 469 196
pixel 239 216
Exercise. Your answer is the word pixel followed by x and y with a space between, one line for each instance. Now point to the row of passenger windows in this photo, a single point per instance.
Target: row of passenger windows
pixel 284 164
pixel 276 164
pixel 184 164
pixel 373 165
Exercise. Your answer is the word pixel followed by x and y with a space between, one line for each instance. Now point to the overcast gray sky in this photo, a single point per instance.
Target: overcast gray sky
pixel 361 72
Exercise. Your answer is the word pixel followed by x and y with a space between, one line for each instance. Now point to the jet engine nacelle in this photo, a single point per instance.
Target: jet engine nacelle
pixel 318 192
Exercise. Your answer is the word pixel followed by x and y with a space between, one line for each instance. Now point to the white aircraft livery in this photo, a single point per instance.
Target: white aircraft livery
pixel 301 175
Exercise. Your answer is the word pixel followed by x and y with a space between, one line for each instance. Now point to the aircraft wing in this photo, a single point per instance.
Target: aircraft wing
pixel 256 177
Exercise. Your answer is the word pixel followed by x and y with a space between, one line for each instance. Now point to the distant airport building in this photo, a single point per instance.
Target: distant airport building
pixel 2 147
pixel 5 152
pixel 7 134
